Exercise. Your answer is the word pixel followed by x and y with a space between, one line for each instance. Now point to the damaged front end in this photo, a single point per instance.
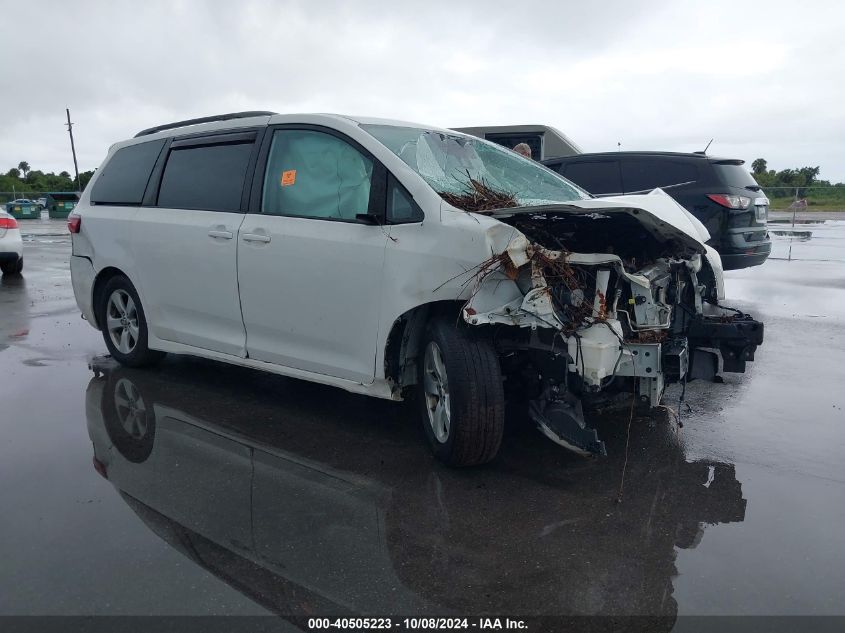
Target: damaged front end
pixel 591 302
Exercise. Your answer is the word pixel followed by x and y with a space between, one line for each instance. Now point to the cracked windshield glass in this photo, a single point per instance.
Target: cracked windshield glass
pixel 455 165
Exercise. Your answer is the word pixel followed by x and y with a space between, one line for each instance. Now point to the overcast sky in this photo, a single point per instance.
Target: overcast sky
pixel 765 79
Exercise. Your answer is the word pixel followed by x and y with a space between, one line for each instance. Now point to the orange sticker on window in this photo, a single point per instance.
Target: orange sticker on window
pixel 288 177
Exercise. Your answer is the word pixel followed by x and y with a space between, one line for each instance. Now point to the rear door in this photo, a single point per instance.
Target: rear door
pixel 309 272
pixel 184 241
pixel 640 175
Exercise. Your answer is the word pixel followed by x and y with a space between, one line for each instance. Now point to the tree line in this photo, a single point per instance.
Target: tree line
pixel 23 179
pixel 793 178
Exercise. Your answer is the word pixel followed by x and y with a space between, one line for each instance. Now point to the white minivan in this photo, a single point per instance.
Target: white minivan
pixel 395 259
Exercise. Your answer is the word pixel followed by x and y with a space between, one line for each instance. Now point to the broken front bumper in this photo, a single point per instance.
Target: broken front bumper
pixel 733 338
pixel 736 338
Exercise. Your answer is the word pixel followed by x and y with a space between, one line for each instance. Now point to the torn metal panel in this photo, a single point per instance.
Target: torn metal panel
pixel 560 417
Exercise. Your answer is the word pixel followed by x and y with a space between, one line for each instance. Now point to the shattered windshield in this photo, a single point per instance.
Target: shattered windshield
pixel 458 167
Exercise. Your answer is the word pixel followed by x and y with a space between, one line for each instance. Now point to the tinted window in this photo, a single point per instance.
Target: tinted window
pixel 400 205
pixel 512 140
pixel 597 177
pixel 207 177
pixel 645 174
pixel 124 177
pixel 734 176
pixel 317 175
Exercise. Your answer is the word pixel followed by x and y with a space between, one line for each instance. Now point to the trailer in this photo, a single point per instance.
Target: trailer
pixel 545 141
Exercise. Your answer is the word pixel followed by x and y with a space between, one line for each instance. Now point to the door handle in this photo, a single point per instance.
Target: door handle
pixel 255 237
pixel 223 235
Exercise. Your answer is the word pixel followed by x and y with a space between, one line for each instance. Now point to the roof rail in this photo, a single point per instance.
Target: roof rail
pixel 205 119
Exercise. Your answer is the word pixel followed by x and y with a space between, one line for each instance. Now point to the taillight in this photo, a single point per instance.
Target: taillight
pixel 74 223
pixel 730 201
pixel 8 223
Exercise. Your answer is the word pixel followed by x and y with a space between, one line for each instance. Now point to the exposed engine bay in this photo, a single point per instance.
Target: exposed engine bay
pixel 592 303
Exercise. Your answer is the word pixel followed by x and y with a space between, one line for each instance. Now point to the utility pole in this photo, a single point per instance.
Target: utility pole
pixel 73 149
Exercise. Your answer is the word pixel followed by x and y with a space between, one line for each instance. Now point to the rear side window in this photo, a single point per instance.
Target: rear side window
pixel 597 177
pixel 209 177
pixel 644 174
pixel 316 175
pixel 123 179
pixel 733 175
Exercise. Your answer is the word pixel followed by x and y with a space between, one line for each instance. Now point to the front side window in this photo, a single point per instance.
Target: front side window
pixel 315 175
pixel 401 208
pixel 208 177
pixel 448 161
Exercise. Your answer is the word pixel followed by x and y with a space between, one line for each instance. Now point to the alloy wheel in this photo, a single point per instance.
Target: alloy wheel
pixel 122 321
pixel 436 390
pixel 131 410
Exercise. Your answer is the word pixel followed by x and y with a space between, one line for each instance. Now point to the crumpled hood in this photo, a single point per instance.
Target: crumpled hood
pixel 657 211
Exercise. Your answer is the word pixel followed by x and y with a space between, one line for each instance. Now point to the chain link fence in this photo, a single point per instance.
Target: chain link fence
pixel 806 198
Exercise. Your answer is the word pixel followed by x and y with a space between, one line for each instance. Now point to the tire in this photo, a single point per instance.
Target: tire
pixel 460 378
pixel 12 268
pixel 124 326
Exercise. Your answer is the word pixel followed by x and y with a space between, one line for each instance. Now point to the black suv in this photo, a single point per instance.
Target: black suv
pixel 718 191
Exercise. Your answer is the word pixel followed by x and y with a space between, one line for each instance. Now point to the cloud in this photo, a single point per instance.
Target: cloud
pixel 762 80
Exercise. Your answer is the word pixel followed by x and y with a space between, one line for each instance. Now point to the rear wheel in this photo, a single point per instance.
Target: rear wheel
pixel 12 268
pixel 461 396
pixel 124 326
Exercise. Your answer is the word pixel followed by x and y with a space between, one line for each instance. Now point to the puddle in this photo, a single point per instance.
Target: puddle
pixel 802 236
pixel 39 362
pixel 789 221
pixel 38 238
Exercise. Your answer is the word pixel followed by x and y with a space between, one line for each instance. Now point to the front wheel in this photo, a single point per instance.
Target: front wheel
pixel 124 325
pixel 461 395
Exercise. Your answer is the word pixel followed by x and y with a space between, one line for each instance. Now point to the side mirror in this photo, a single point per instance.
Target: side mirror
pixel 368 218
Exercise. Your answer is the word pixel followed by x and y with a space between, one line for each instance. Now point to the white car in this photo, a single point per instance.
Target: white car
pixel 11 246
pixel 394 259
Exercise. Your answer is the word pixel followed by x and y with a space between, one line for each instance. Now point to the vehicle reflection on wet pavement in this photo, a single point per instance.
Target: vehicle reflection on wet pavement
pixel 341 514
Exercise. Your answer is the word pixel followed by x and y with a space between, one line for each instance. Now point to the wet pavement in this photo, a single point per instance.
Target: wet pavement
pixel 200 488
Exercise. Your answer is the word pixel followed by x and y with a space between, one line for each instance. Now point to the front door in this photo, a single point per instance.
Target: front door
pixel 309 273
